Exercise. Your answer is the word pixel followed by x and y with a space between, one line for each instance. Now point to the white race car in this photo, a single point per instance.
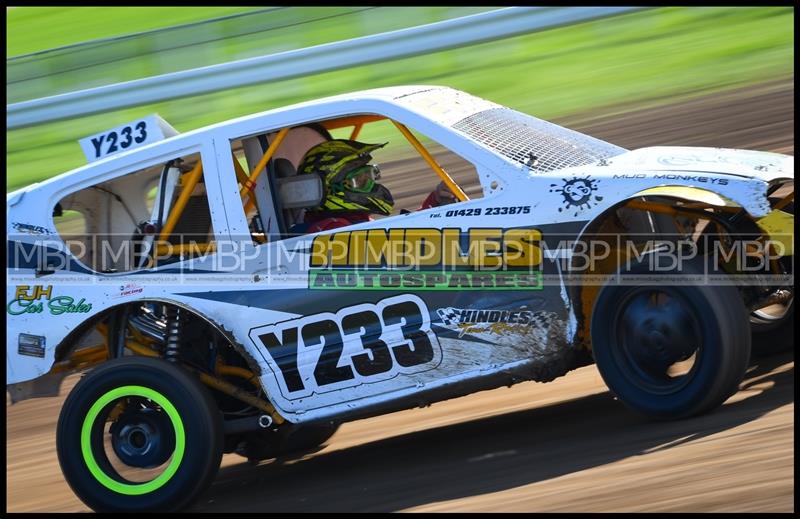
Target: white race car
pixel 189 275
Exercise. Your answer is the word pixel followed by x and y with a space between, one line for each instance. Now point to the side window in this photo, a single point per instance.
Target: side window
pixel 274 197
pixel 72 227
pixel 386 169
pixel 146 218
pixel 404 170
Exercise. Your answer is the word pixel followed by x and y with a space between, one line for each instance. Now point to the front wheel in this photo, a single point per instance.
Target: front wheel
pixel 138 435
pixel 670 350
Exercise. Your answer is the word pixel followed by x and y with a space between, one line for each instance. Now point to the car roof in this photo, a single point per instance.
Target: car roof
pixel 385 94
pixel 388 94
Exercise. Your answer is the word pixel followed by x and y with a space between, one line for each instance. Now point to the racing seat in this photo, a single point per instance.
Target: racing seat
pixel 297 193
pixel 276 217
pixel 288 158
pixel 291 215
pixel 300 191
pixel 283 165
pixel 284 168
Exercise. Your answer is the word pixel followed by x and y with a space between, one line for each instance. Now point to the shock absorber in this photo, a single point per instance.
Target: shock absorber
pixel 174 325
pixel 117 332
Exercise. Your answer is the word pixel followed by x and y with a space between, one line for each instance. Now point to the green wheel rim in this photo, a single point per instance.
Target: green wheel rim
pixel 86 444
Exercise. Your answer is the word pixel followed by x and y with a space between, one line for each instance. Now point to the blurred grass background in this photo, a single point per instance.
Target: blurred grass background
pixel 33 29
pixel 647 57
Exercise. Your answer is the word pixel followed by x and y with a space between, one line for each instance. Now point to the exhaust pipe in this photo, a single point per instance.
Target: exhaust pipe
pixel 248 424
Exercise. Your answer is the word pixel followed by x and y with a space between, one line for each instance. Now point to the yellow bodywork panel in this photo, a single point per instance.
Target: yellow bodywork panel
pixel 780 227
pixel 690 193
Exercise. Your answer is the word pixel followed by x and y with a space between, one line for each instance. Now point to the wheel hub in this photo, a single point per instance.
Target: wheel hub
pixel 659 331
pixel 143 438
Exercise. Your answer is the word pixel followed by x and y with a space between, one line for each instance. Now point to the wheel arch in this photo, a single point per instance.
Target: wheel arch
pixel 49 383
pixel 639 220
pixel 68 344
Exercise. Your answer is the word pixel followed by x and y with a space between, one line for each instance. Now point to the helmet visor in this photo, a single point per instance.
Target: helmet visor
pixel 362 180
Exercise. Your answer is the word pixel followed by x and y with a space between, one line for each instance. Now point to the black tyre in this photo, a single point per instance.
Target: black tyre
pixel 670 349
pixel 138 435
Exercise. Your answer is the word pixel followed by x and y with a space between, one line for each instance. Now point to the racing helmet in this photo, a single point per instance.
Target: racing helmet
pixel 348 177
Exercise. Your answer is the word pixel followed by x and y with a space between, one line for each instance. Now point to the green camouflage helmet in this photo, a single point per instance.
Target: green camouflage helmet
pixel 347 177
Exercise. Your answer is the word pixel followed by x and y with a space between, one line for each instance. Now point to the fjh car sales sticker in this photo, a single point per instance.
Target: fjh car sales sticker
pixel 38 299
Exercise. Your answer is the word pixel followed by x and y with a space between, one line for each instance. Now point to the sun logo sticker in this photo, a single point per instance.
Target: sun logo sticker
pixel 577 193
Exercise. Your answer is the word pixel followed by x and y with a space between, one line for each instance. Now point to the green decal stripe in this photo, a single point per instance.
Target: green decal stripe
pixel 325 279
pixel 86 446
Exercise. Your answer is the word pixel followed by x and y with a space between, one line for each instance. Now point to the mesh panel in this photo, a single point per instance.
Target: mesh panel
pixel 194 223
pixel 516 136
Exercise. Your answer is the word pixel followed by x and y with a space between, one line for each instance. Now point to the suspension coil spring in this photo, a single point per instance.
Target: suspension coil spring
pixel 174 324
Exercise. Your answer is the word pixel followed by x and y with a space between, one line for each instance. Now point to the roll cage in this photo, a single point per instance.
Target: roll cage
pixel 248 180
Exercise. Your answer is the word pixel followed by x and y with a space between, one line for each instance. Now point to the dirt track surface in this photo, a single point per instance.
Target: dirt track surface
pixel 562 446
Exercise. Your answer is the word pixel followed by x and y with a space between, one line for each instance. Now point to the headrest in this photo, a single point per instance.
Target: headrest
pixel 284 168
pixel 300 191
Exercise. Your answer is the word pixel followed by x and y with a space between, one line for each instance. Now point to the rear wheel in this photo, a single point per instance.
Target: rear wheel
pixel 670 350
pixel 139 434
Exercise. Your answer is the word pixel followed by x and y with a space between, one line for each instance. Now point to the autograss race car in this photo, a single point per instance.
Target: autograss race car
pixel 181 272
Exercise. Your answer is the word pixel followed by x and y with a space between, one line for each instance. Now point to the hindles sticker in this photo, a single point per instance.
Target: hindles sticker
pixel 472 320
pixel 493 324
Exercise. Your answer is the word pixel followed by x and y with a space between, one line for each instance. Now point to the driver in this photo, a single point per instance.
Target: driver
pixel 352 194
